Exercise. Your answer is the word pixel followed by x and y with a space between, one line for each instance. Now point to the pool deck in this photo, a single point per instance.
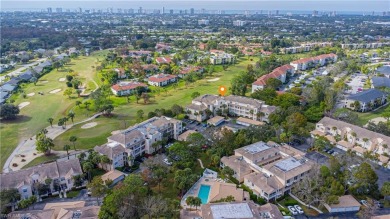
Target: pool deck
pixel 194 190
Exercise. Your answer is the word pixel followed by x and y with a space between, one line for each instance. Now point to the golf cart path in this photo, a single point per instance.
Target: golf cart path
pixel 27 147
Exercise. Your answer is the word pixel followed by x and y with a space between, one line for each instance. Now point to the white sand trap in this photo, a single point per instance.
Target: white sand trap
pixel 62 79
pixel 378 119
pixel 89 125
pixel 23 104
pixel 214 79
pixel 116 132
pixel 55 91
pixel 44 82
pixel 31 94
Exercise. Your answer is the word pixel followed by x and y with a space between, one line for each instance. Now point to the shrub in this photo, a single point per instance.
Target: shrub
pixel 23 160
pixel 14 164
pixel 22 155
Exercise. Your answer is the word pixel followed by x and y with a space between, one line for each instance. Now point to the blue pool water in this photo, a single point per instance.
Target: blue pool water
pixel 203 193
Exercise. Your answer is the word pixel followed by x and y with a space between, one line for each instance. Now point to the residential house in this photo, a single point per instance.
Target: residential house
pixel 121 73
pixel 61 173
pixel 366 100
pixel 124 88
pixel 186 70
pixel 281 73
pixel 268 169
pixel 163 60
pixel 321 60
pixel 140 138
pixel 150 68
pixel 162 46
pixel 161 80
pixel 351 137
pixel 137 54
pixel 115 176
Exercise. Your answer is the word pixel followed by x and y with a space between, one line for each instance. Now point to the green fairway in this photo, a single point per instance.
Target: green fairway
pixel 365 117
pixel 34 116
pixel 125 113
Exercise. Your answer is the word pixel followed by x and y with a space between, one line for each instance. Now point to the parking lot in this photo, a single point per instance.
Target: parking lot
pixel 357 83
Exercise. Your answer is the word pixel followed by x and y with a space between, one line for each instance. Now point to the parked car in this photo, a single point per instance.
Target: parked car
pixel 364 202
pixel 330 151
pixel 166 161
pixel 299 209
pixel 378 204
pixel 292 210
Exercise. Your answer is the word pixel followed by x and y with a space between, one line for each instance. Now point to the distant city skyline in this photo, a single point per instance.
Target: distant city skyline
pixel 284 5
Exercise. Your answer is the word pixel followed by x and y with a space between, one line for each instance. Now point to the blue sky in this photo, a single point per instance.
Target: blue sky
pixel 286 5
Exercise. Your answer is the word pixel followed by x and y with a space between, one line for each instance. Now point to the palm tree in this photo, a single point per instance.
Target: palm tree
pixel 260 115
pixel 365 141
pixel 78 91
pixel 87 167
pixel 105 160
pixel 190 200
pixel 71 115
pixel 50 120
pixel 87 103
pixel 73 139
pixel 197 202
pixel 356 105
pixel 66 148
pixel 78 103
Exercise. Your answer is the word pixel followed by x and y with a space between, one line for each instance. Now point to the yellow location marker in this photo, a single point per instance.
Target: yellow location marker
pixel 222 90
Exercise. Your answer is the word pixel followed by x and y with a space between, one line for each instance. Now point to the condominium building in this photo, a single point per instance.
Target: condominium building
pixel 304 47
pixel 234 105
pixel 364 45
pixel 239 23
pixel 268 169
pixel 124 88
pixel 203 22
pixel 161 80
pixel 366 100
pixel 219 57
pixel 321 60
pixel 279 73
pixel 139 139
pixel 351 137
pixel 61 173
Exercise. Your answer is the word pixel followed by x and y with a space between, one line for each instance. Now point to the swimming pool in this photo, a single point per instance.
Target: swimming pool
pixel 203 193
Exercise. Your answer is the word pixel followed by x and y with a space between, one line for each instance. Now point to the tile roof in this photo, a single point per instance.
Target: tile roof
pixel 112 175
pixel 207 98
pixel 346 201
pixel 367 95
pixel 268 184
pixel 277 72
pixel 161 77
pixel 110 149
pixel 89 212
pixel 126 137
pixel 316 58
pixel 361 132
pixel 244 100
pixel 36 214
pixel 127 85
pixel 163 60
pixel 51 170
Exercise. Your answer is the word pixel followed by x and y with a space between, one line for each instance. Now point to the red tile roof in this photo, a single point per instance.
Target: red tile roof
pixel 161 77
pixel 149 67
pixel 189 69
pixel 127 85
pixel 316 58
pixel 139 52
pixel 163 60
pixel 274 74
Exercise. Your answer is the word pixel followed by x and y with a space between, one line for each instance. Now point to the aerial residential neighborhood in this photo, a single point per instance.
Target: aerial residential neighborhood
pixel 183 109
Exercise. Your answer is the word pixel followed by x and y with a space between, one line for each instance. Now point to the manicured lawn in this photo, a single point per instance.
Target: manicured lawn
pixel 41 159
pixel 365 117
pixel 34 116
pixel 72 194
pixel 127 112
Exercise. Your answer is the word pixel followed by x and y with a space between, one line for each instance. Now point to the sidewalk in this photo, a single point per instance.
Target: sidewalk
pixel 28 148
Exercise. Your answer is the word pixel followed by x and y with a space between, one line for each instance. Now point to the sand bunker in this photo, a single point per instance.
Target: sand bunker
pixel 23 104
pixel 30 94
pixel 55 91
pixel 378 119
pixel 62 79
pixel 116 132
pixel 214 79
pixel 89 125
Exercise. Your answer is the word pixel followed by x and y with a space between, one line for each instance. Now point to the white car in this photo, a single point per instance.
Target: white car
pixel 292 210
pixel 364 202
pixel 299 209
pixel 167 162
